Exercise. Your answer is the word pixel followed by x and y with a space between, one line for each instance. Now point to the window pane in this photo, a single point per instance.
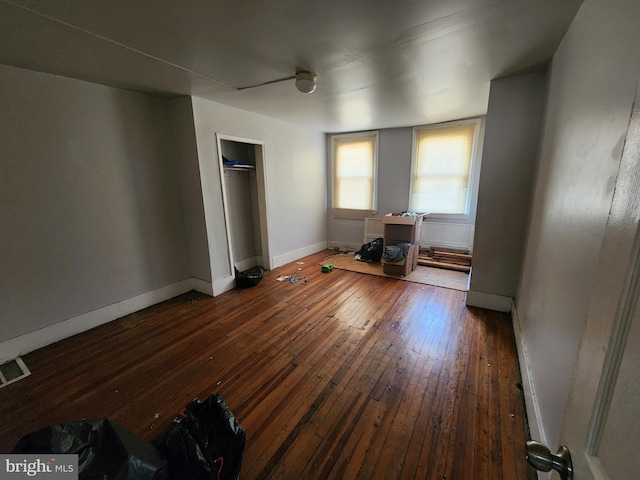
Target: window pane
pixel 354 193
pixel 354 165
pixel 441 169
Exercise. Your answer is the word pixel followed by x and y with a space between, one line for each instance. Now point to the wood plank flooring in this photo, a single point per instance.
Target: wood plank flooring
pixel 339 375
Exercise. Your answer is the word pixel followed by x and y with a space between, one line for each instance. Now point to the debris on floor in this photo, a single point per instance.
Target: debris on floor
pixel 292 278
pixel 448 258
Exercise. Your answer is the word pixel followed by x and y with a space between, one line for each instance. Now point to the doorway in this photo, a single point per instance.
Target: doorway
pixel 242 172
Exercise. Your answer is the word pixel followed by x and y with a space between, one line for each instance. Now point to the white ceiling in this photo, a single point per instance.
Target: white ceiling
pixel 379 63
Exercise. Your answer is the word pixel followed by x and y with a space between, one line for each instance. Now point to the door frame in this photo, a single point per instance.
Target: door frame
pixel 261 180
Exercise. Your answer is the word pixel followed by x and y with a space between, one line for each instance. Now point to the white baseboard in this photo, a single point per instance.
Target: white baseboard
pixel 489 301
pixel 221 285
pixel 343 246
pixel 536 429
pixel 248 263
pixel 294 255
pixel 31 341
pixel 201 286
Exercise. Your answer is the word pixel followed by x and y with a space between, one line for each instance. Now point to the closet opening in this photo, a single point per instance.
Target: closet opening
pixel 242 168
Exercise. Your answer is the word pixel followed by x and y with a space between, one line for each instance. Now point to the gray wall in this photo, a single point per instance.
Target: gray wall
pixel 295 162
pixel 509 160
pixel 184 136
pixel 90 205
pixel 591 91
pixel 110 197
pixel 394 176
pixel 394 170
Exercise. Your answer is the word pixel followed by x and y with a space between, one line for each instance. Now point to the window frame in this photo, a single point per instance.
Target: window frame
pixel 355 213
pixel 474 169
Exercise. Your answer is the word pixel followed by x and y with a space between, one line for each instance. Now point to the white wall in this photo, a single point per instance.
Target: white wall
pixel 593 79
pixel 295 162
pixel 90 206
pixel 509 159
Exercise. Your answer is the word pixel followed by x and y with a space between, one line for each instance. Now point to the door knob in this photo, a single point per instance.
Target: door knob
pixel 541 458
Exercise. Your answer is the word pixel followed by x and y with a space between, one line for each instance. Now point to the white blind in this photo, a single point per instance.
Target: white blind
pixel 354 170
pixel 441 169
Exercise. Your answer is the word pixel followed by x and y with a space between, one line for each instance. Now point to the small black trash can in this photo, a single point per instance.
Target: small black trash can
pixel 249 278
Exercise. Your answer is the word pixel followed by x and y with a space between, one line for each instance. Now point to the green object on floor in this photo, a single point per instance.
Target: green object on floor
pixel 327 268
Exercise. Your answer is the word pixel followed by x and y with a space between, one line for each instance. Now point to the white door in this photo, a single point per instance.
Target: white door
pixel 602 421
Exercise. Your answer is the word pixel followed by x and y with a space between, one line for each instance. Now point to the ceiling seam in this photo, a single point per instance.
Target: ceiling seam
pixel 115 42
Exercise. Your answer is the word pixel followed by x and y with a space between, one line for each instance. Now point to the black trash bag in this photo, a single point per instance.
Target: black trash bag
pixel 203 442
pixel 249 278
pixel 371 252
pixel 105 449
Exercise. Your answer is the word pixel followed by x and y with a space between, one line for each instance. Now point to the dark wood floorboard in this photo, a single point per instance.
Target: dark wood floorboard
pixel 340 375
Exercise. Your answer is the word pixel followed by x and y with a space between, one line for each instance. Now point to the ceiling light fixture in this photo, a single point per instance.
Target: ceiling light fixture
pixel 305 81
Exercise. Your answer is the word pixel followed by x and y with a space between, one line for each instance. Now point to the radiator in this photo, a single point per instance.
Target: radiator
pixel 432 234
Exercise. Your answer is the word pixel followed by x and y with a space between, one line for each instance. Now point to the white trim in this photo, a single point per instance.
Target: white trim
pixel 221 285
pixel 223 187
pixel 263 209
pixel 349 213
pixel 474 168
pixel 31 341
pixel 536 429
pixel 248 263
pixel 534 418
pixel 343 246
pixel 201 286
pixel 294 255
pixel 490 301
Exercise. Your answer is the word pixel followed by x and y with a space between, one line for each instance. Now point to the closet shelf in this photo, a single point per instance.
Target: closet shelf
pixel 240 168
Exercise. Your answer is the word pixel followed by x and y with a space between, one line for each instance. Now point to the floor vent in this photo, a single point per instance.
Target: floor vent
pixel 12 371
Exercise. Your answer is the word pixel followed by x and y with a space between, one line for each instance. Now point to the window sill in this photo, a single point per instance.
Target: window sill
pixel 352 214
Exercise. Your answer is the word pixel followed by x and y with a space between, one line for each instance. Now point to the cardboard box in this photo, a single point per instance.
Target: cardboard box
pixel 398 229
pixel 398 219
pixel 401 268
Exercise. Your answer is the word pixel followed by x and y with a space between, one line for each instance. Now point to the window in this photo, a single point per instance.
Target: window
pixel 442 166
pixel 354 166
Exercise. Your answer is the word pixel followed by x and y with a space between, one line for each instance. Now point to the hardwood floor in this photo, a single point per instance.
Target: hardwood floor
pixel 339 375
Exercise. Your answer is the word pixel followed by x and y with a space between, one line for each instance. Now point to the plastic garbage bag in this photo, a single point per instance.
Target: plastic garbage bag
pixel 396 253
pixel 105 449
pixel 371 252
pixel 203 442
